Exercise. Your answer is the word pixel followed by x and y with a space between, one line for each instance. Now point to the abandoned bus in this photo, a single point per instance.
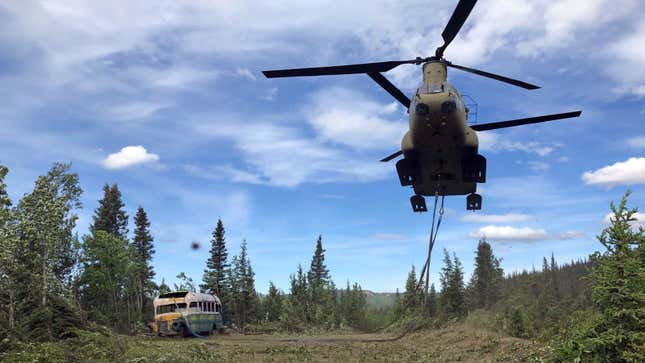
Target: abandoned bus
pixel 185 313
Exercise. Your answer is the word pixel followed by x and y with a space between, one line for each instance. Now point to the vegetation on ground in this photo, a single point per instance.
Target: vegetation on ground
pixel 65 298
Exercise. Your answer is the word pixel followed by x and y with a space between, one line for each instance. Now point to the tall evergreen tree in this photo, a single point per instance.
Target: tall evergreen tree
pixel 7 260
pixel 452 287
pixel 215 274
pixel 411 296
pixel 485 283
pixel 318 274
pixel 616 333
pixel 110 216
pixel 143 250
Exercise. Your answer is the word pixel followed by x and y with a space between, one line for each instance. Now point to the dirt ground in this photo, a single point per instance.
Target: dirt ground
pixel 446 345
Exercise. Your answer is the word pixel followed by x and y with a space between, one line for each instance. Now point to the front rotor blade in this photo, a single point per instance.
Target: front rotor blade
pixel 390 157
pixel 335 70
pixel 390 88
pixel 524 121
pixel 457 20
pixel 512 81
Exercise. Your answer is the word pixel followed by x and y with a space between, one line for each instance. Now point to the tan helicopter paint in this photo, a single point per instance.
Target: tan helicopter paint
pixel 439 140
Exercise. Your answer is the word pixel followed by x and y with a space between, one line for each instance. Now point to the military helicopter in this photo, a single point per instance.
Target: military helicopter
pixel 440 150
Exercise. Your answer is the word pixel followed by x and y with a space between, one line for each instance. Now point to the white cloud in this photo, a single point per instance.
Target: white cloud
pixel 389 236
pixel 283 156
pixel 508 233
pixel 639 222
pixel 129 156
pixel 246 73
pixel 569 235
pixel 539 166
pixel 496 218
pixel 525 234
pixel 563 159
pixel 347 117
pixel 637 142
pixel 134 111
pixel 490 141
pixel 629 172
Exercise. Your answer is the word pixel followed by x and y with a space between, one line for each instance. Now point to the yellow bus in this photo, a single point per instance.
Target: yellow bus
pixel 187 313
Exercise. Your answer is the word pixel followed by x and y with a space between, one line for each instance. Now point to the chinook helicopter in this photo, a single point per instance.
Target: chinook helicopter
pixel 440 150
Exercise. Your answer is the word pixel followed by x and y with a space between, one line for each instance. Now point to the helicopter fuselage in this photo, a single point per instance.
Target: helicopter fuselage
pixel 440 149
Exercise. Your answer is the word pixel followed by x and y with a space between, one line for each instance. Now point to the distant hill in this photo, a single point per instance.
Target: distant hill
pixel 379 299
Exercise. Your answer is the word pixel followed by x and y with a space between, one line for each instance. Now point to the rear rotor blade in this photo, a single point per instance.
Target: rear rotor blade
pixel 524 121
pixel 457 20
pixel 512 81
pixel 343 69
pixel 390 157
pixel 390 88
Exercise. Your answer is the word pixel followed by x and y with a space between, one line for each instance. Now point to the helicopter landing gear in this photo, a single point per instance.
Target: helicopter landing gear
pixel 408 171
pixel 418 203
pixel 474 202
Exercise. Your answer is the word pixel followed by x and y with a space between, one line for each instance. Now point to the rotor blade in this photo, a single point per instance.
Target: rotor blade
pixel 524 121
pixel 390 88
pixel 512 81
pixel 390 157
pixel 335 70
pixel 457 20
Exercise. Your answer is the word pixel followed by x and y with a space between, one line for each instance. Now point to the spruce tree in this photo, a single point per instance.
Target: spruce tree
pixel 318 274
pixel 616 333
pixel 452 283
pixel 485 283
pixel 143 250
pixel 110 216
pixel 411 296
pixel 273 303
pixel 215 273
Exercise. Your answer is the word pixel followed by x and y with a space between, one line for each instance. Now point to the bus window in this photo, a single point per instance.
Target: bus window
pixel 170 308
pixel 193 304
pixel 218 308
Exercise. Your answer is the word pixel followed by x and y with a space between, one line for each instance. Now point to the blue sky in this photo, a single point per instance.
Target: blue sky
pixel 167 100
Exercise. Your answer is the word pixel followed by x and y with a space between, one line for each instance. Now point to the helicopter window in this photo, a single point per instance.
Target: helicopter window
pixel 431 88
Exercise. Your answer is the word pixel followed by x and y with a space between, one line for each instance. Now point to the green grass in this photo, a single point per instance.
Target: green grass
pixel 456 343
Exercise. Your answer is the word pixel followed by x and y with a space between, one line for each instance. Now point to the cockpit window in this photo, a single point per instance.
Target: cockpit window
pixel 431 88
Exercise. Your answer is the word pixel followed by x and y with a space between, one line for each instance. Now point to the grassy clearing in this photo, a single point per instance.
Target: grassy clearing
pixel 457 343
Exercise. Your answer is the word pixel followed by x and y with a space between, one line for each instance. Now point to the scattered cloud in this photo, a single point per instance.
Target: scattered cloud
pixel 639 222
pixel 389 236
pixel 563 159
pixel 224 172
pixel 348 117
pixel 563 236
pixel 129 156
pixel 134 111
pixel 510 234
pixel 524 234
pixel 636 142
pixel 284 156
pixel 539 166
pixel 270 94
pixel 496 218
pixel 246 73
pixel 493 142
pixel 629 172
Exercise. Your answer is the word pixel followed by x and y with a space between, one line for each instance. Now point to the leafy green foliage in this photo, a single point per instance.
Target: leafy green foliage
pixel 617 331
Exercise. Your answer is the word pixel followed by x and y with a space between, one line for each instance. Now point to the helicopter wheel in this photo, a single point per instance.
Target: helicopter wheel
pixel 418 203
pixel 474 202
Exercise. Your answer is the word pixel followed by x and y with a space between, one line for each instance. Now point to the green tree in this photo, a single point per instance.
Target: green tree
pixel 110 216
pixel 186 283
pixel 452 287
pixel 411 296
pixel 485 282
pixel 215 273
pixel 105 267
pixel 143 250
pixel 321 296
pixel 318 275
pixel 617 332
pixel 273 303
pixel 46 252
pixel 7 260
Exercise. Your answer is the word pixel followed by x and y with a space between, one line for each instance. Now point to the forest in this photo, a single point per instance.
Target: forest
pixel 57 285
